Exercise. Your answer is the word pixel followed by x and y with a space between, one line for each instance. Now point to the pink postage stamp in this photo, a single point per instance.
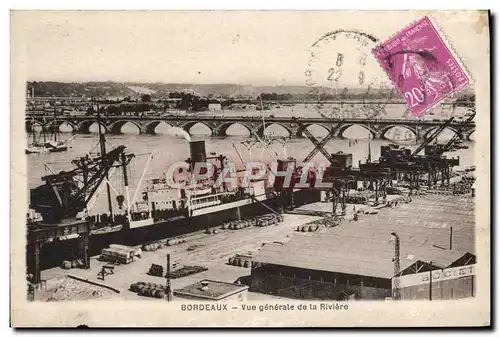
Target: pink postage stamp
pixel 421 66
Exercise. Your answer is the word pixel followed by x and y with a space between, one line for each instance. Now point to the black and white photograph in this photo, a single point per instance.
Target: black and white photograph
pixel 250 168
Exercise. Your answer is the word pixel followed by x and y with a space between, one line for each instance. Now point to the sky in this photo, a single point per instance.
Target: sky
pixel 258 47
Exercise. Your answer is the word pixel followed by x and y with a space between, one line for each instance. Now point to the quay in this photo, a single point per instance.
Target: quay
pixel 422 224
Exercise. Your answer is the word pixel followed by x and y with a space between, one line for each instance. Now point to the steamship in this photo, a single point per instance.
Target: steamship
pixel 206 202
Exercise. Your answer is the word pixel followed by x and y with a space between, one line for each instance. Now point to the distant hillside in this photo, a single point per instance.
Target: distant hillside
pixel 233 90
pixel 117 89
pixel 95 89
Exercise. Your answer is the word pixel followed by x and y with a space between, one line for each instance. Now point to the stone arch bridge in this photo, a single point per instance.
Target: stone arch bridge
pixel 219 125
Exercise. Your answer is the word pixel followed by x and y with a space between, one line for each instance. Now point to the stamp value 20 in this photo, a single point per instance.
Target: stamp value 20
pixel 421 66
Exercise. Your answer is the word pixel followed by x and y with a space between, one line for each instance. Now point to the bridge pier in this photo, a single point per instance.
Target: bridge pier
pixel 217 132
pixel 50 128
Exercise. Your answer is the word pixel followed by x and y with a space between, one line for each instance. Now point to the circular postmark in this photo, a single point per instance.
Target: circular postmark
pixel 345 79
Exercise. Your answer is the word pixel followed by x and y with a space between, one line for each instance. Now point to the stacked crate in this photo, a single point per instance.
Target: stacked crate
pixel 120 254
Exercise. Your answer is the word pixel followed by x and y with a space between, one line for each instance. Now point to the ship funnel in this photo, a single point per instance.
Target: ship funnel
pixel 198 153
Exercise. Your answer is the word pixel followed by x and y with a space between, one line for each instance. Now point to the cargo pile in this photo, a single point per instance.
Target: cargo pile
pixel 244 261
pixel 156 270
pixel 268 219
pixel 154 246
pixel 120 254
pixel 260 221
pixel 72 264
pixel 186 271
pixel 148 289
pixel 238 224
pixel 175 241
pixel 464 186
pixel 323 222
pixel 307 228
pixel 151 247
pixel 239 260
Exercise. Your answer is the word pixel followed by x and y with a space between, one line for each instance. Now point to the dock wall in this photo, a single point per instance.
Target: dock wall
pixel 304 284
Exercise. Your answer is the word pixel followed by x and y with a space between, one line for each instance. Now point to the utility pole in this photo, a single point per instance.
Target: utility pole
pixel 430 281
pixel 396 291
pixel 451 238
pixel 168 288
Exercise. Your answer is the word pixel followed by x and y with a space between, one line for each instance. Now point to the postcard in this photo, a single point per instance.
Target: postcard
pixel 250 168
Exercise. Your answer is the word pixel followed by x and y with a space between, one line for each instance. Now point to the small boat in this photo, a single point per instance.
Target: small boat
pixel 32 149
pixel 57 145
pixel 59 148
pixel 106 230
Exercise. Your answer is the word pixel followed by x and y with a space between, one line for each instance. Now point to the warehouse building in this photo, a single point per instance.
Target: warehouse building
pixel 431 236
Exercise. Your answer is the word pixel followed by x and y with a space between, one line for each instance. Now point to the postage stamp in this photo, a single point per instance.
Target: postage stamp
pixel 422 66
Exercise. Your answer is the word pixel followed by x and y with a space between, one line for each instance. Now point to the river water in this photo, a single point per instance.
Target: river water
pixel 168 149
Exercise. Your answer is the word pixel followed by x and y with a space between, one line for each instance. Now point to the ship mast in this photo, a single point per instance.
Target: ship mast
pixel 55 124
pixel 102 143
pixel 33 131
pixel 125 179
pixel 369 147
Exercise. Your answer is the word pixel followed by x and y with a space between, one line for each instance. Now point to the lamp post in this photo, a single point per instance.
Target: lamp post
pixel 395 289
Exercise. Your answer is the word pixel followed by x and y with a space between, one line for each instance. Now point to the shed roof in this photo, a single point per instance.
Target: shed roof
pixel 366 247
pixel 215 290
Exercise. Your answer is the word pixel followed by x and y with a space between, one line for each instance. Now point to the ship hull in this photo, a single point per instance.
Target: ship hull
pixel 52 254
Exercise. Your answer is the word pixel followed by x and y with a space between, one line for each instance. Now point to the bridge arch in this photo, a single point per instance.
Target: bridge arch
pixel 427 132
pixel 54 125
pixel 150 128
pixel 343 128
pixel 221 130
pixel 306 126
pixel 29 124
pixel 84 126
pixel 116 127
pixel 187 126
pixel 262 129
pixel 385 129
pixel 68 123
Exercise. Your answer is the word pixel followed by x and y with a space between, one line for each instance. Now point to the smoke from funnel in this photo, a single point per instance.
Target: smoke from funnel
pixel 178 132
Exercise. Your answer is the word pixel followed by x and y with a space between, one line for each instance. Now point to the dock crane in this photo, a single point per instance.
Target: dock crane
pixel 341 175
pixel 318 145
pixel 433 161
pixel 66 193
pixel 432 137
pixel 440 149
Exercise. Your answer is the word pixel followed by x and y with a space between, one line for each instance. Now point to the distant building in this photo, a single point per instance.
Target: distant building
pixel 215 107
pixel 211 290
